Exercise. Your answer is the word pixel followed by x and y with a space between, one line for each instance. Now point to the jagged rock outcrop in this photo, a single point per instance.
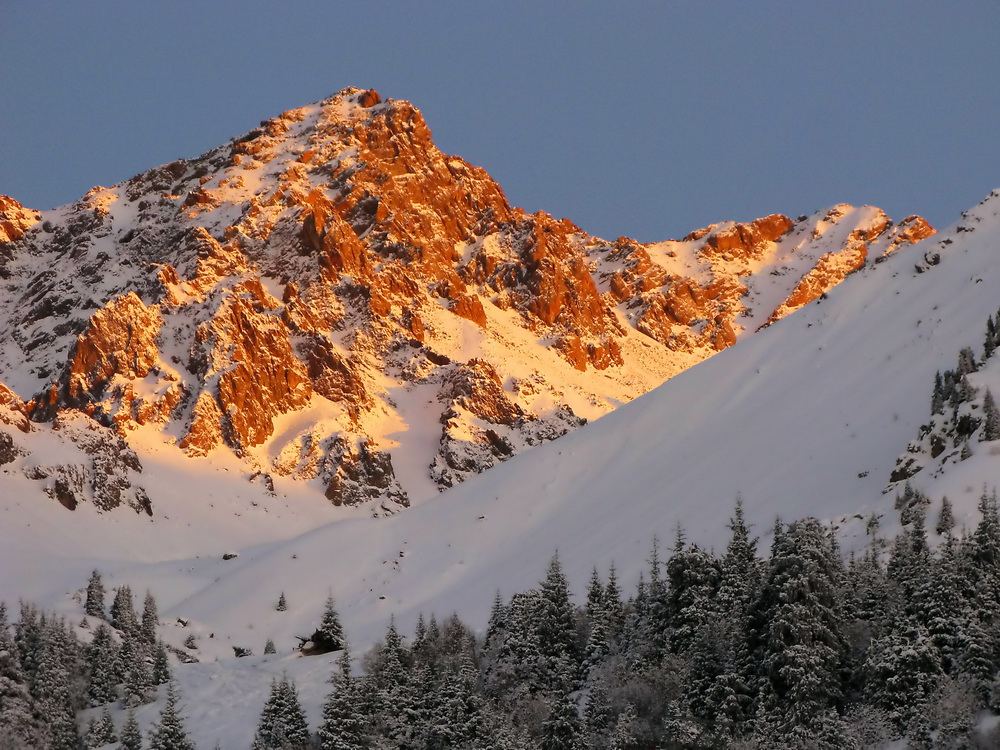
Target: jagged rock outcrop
pixel 334 265
pixel 15 220
pixel 97 466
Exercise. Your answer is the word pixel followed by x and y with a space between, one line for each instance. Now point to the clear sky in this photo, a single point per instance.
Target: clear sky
pixel 647 119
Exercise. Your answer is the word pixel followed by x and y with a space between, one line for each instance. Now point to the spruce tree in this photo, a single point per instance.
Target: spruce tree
pixel 28 639
pixel 101 730
pixel 343 724
pixel 282 604
pixel 497 623
pixel 938 395
pixel 94 605
pixel 52 689
pixel 903 668
pixel 797 623
pixel 269 647
pixel 614 612
pixel 330 635
pixel 946 521
pixel 131 738
pixel 595 597
pixel 18 720
pixel 102 667
pixel 623 736
pixel 991 418
pixel 561 730
pixel 123 611
pixel 282 724
pixel 454 716
pixel 597 715
pixel 138 682
pixel 556 630
pixel 161 665
pixel 150 620
pixel 692 583
pixel 168 733
pixel 966 361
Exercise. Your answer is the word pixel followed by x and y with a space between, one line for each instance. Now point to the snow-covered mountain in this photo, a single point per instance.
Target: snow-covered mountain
pixel 333 300
pixel 813 415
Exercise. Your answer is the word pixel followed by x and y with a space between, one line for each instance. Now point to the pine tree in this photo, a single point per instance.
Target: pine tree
pixel 161 665
pixel 168 733
pixel 990 344
pixel 561 730
pixel 614 612
pixel 946 521
pixel 454 714
pixel 282 604
pixel 497 623
pixel 902 669
pixel 269 647
pixel 966 361
pixel 28 639
pixel 101 731
pixel 623 736
pixel 282 724
pixel 692 583
pixel 938 395
pixel 991 418
pixel 798 629
pixel 597 715
pixel 94 605
pixel 330 635
pixel 123 611
pixel 138 682
pixel 131 738
pixel 150 620
pixel 343 724
pixel 52 688
pixel 18 721
pixel 556 631
pixel 102 667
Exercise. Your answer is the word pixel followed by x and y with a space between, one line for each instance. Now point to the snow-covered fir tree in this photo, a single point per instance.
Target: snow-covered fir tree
pixel 94 605
pixel 123 611
pixel 168 733
pixel 131 737
pixel 343 724
pixel 282 724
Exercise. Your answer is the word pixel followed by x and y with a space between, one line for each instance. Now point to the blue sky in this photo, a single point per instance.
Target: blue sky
pixel 647 119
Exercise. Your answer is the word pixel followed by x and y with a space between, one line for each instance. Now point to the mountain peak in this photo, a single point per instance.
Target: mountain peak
pixel 332 299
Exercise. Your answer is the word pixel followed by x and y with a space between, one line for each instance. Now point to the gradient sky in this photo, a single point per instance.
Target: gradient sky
pixel 648 119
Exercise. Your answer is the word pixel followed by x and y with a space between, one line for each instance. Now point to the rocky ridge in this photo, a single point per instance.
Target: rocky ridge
pixel 334 300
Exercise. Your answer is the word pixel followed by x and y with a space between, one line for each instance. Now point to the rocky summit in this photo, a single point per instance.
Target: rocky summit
pixel 332 299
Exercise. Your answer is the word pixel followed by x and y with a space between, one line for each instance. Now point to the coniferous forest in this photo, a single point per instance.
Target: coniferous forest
pixel 798 649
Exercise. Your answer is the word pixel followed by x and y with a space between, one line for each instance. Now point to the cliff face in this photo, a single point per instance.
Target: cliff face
pixel 333 299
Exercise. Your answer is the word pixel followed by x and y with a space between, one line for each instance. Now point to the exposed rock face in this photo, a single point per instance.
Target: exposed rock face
pixel 12 410
pixel 15 220
pixel 306 293
pixel 100 467
pixel 364 474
